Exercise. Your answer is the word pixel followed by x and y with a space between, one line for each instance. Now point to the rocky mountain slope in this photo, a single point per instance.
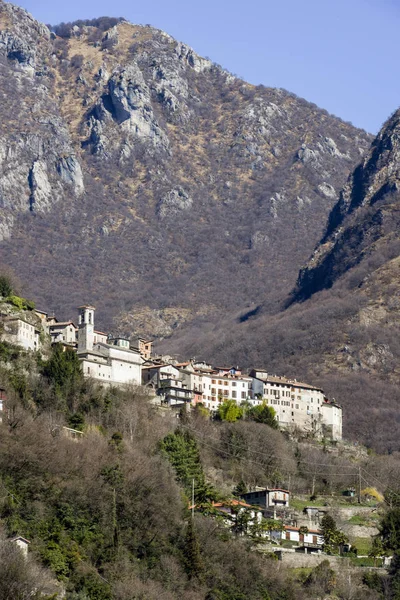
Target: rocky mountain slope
pixel 341 328
pixel 363 225
pixel 138 176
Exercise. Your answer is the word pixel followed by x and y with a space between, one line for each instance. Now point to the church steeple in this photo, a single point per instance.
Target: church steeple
pixel 86 328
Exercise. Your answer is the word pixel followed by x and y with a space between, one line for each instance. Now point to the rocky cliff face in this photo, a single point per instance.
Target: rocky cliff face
pixel 363 225
pixel 38 163
pixel 138 176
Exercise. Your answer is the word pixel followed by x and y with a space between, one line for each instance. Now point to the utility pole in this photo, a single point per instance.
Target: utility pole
pixel 359 485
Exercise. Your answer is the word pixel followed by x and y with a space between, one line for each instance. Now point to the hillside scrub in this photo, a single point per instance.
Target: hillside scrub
pixel 108 513
pixel 104 513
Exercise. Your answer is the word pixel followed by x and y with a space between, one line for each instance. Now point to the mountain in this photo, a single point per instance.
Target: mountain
pixel 143 178
pixel 363 225
pixel 340 326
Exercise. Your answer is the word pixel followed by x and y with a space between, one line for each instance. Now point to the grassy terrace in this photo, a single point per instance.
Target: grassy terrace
pixel 324 501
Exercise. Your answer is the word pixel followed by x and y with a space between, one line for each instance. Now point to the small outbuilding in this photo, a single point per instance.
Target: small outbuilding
pixel 21 543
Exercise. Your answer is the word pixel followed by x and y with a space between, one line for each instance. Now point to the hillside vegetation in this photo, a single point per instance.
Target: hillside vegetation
pixel 107 512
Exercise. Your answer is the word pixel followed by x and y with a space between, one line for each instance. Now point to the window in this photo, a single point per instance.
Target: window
pixel 219 382
pixel 214 381
pixel 243 395
pixel 233 383
pixel 297 406
pixel 213 392
pixel 226 393
pixel 225 383
pixel 234 394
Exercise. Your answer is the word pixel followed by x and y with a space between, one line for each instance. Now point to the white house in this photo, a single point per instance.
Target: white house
pixel 309 538
pixel 212 386
pixel 21 333
pixel 64 333
pixel 113 362
pixel 298 404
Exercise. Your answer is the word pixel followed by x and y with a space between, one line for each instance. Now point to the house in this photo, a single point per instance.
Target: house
pixel 267 497
pixel 212 386
pixel 308 538
pixel 65 333
pixel 43 316
pixel 145 348
pixel 20 332
pixel 99 337
pixel 298 405
pixel 168 385
pixel 21 543
pixel 113 362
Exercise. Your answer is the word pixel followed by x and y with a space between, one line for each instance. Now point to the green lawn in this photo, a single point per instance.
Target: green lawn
pixel 363 545
pixel 321 501
pixel 298 504
pixel 366 562
pixel 365 520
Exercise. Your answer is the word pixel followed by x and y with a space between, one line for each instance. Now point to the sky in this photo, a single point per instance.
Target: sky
pixel 340 54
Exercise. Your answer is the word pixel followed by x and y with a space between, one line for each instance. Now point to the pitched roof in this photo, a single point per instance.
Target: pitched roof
pixel 292 528
pixel 62 323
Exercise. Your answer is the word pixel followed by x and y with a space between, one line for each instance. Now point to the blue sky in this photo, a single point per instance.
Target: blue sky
pixel 340 54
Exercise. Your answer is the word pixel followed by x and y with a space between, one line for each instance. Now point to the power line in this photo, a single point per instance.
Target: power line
pixel 290 460
pixel 259 464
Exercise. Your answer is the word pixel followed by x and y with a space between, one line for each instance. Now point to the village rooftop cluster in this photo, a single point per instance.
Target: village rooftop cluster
pixel 117 361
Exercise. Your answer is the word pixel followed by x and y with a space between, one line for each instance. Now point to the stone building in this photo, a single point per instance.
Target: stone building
pixel 113 362
pixel 18 331
pixel 298 405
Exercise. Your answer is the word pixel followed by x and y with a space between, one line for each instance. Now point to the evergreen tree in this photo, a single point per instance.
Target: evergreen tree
pixel 182 451
pixel 63 371
pixel 191 552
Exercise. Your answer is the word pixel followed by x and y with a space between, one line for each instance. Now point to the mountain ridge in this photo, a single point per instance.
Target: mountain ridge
pixel 165 159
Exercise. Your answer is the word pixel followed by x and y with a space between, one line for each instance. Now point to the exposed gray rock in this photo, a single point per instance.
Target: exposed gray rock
pixel 70 172
pixel 15 48
pixel 110 38
pixel 188 55
pixel 6 225
pixel 173 202
pixel 40 198
pixel 307 155
pixel 277 200
pixel 327 190
pixel 129 105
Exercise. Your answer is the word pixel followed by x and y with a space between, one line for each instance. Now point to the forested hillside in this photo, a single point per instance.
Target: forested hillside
pixel 106 511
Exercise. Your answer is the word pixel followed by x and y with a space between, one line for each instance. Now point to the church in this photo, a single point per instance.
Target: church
pixel 111 361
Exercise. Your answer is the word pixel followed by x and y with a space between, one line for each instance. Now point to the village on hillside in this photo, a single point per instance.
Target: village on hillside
pixel 270 517
pixel 119 361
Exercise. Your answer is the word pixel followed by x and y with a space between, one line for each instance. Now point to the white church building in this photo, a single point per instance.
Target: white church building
pixel 111 361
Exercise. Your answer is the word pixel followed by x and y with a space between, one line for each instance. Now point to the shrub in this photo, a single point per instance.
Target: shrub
pixel 6 287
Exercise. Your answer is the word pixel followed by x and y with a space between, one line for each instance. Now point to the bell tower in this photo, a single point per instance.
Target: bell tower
pixel 86 328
